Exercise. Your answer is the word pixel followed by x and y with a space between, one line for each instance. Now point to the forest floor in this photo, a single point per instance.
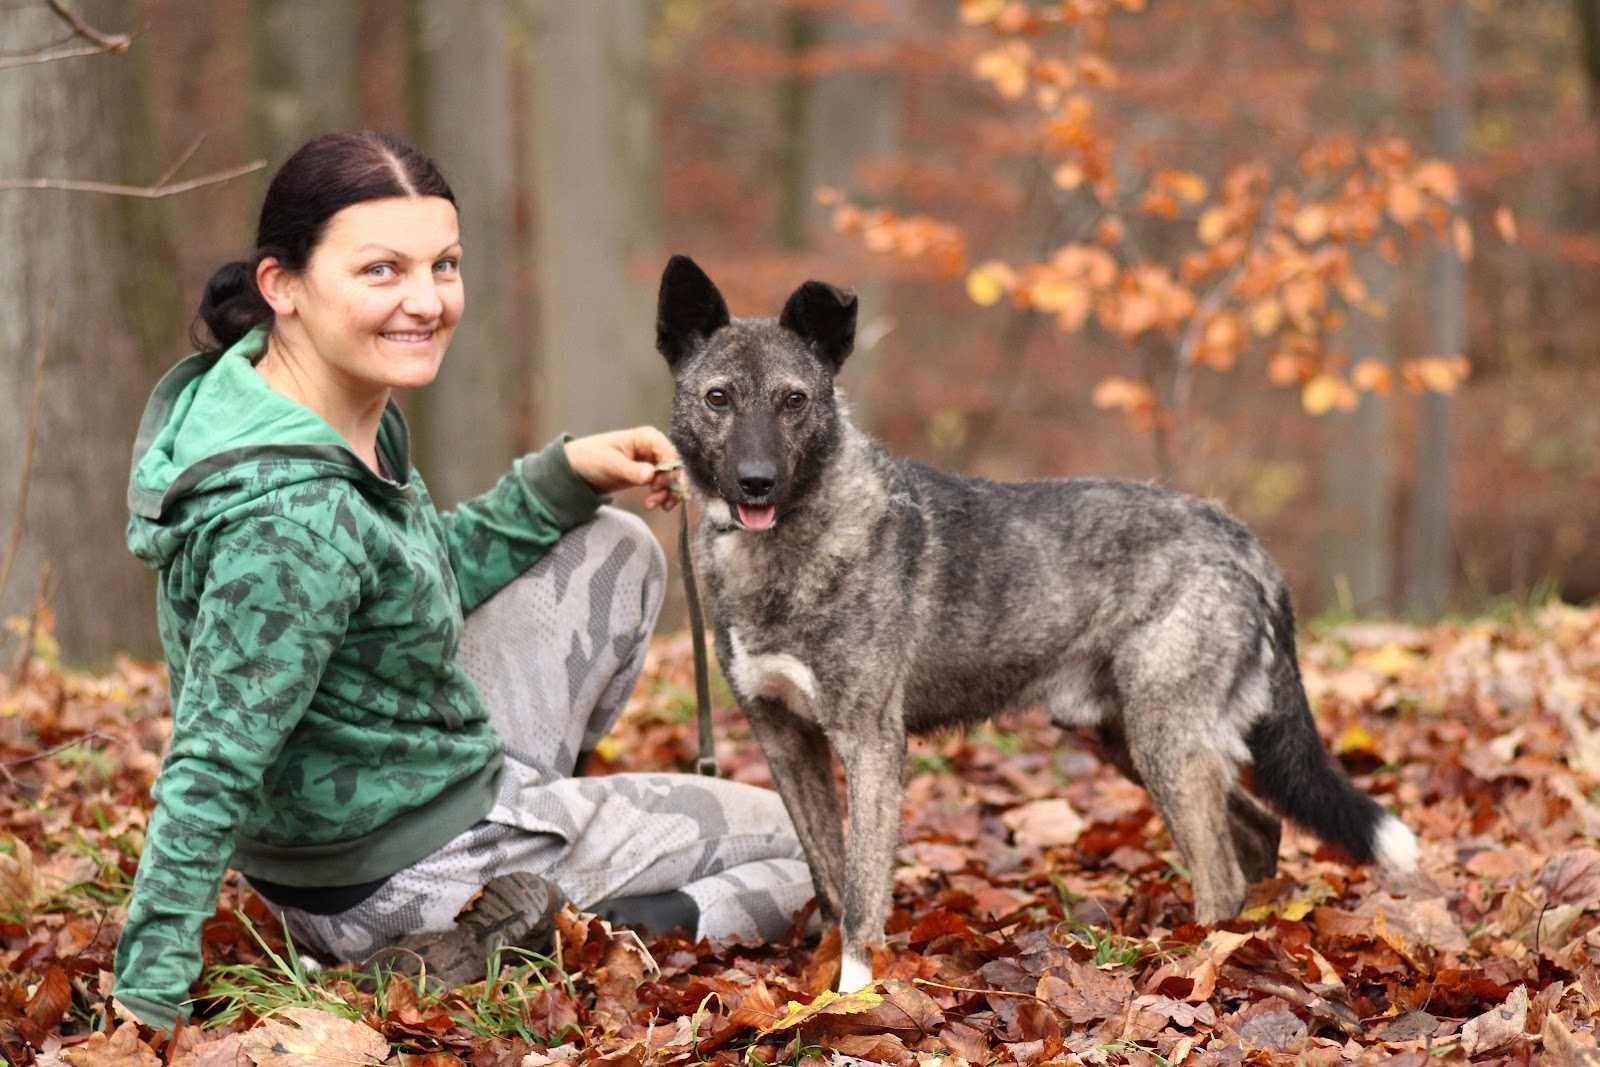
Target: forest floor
pixel 1041 914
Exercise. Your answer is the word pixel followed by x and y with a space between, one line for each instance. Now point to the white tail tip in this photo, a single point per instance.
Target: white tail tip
pixel 1394 846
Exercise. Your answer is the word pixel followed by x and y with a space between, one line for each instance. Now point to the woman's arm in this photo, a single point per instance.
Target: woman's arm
pixel 493 538
pixel 277 600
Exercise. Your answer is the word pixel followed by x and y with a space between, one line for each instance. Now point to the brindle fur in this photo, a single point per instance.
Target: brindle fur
pixel 893 598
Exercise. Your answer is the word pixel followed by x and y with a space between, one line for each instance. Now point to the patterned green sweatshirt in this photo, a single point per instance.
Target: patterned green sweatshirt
pixel 310 610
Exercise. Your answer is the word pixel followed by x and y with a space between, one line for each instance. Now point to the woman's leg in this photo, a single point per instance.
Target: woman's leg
pixel 557 652
pixel 556 655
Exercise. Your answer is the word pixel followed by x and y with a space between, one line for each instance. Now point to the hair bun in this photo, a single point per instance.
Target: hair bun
pixel 231 307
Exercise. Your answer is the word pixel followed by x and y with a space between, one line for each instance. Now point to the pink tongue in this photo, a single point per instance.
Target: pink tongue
pixel 757 518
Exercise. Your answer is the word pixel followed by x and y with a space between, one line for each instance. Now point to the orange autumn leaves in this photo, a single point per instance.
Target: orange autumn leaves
pixel 1258 266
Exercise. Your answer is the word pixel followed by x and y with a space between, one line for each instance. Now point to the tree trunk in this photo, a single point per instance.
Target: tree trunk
pixel 307 69
pixel 842 120
pixel 1429 549
pixel 1358 540
pixel 200 67
pixel 1588 12
pixel 597 211
pixel 465 422
pixel 92 280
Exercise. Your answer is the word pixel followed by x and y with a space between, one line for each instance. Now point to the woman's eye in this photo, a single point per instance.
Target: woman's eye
pixel 794 401
pixel 380 270
pixel 447 266
pixel 717 398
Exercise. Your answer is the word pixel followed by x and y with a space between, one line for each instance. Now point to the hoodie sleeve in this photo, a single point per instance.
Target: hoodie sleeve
pixel 495 537
pixel 276 603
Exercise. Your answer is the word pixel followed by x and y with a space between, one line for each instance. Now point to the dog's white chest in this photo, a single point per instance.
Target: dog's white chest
pixel 772 676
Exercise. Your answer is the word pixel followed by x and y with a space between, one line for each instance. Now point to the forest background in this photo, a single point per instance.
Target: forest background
pixel 1336 264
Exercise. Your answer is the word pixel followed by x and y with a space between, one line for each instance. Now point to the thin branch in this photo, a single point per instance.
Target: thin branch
pixel 184 157
pixel 29 437
pixel 49 55
pixel 19 671
pixel 108 42
pixel 100 42
pixel 81 739
pixel 141 192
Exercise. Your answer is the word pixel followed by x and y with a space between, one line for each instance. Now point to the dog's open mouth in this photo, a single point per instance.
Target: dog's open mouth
pixel 757 516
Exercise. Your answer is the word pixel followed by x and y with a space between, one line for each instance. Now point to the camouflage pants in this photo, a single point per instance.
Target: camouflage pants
pixel 556 654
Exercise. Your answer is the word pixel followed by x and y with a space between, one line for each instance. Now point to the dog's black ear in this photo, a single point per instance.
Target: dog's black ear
pixel 689 309
pixel 823 317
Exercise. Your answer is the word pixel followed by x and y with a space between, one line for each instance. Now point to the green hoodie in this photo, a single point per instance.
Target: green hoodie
pixel 310 610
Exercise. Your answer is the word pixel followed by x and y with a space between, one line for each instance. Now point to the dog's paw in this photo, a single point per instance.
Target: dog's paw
pixel 855 972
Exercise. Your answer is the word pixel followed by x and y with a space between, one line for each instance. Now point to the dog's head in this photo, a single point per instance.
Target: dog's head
pixel 753 410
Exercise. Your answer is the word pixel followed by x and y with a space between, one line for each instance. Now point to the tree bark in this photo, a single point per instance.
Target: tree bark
pixel 92 279
pixel 842 120
pixel 306 71
pixel 465 422
pixel 1358 539
pixel 1429 546
pixel 597 210
pixel 1588 12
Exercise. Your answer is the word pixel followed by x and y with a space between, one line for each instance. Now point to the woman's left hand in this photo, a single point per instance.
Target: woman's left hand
pixel 623 459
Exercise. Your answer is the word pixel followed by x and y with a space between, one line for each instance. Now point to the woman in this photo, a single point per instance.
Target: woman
pixel 378 709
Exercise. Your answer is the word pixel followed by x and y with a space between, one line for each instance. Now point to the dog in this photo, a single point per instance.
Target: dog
pixel 858 598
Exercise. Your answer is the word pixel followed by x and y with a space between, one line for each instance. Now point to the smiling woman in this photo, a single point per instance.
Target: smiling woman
pixel 379 709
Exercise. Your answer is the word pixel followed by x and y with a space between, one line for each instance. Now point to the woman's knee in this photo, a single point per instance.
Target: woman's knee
pixel 614 527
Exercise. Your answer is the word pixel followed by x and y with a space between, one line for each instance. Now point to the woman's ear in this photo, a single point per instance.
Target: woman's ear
pixel 276 286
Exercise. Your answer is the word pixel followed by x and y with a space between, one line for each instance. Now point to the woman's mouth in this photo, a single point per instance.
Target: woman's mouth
pixel 409 337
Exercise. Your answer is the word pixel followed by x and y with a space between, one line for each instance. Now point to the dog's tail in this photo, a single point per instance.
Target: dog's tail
pixel 1295 773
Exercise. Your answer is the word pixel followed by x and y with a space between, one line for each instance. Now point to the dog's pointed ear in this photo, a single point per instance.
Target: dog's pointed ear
pixel 825 319
pixel 689 309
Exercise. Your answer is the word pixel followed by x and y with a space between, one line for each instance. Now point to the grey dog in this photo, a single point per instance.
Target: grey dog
pixel 859 597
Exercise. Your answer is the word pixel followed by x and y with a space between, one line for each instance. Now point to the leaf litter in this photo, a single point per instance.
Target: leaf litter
pixel 1041 914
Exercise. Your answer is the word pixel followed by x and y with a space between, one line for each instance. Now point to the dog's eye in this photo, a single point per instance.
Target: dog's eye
pixel 794 401
pixel 717 398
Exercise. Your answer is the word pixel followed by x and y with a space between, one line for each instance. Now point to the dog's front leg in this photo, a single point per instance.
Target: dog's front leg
pixel 874 768
pixel 802 766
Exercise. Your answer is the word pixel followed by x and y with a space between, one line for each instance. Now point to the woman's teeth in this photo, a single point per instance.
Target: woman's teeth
pixel 414 337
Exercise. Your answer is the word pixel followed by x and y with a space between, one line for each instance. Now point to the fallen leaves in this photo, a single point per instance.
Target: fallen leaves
pixel 1039 916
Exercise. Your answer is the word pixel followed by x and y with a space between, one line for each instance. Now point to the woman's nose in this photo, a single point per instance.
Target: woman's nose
pixel 422 299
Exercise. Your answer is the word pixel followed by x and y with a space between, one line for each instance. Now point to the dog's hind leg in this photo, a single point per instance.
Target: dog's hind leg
pixel 802 767
pixel 1256 832
pixel 1191 784
pixel 1254 829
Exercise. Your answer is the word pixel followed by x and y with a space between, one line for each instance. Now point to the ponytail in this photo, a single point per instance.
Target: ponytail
pixel 231 307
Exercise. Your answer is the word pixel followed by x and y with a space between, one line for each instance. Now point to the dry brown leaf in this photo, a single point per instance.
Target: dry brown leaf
pixel 16 871
pixel 1563 1049
pixel 1085 994
pixel 1497 1027
pixel 1044 823
pixel 51 1000
pixel 306 1037
pixel 226 1051
pixel 121 1049
pixel 1572 877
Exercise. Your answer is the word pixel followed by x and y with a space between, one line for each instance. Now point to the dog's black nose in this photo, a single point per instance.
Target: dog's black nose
pixel 756 479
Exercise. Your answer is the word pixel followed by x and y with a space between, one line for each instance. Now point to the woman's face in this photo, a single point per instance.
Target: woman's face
pixel 381 294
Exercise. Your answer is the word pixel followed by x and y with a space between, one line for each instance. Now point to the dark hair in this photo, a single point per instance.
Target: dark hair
pixel 327 174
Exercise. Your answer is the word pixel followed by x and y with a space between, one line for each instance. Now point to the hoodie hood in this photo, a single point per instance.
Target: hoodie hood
pixel 215 436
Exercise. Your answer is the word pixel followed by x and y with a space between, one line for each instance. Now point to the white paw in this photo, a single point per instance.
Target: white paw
pixel 855 972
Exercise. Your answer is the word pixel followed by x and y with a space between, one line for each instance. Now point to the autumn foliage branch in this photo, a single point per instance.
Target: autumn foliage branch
pixel 1257 262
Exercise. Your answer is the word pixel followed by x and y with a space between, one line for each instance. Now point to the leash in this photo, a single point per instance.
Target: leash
pixel 707 763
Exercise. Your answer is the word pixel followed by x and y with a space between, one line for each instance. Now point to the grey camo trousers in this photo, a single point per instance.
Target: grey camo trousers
pixel 556 654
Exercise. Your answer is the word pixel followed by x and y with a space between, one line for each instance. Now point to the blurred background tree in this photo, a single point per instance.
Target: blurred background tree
pixel 1236 246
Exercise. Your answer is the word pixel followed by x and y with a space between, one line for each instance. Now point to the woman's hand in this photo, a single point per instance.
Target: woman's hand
pixel 623 459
